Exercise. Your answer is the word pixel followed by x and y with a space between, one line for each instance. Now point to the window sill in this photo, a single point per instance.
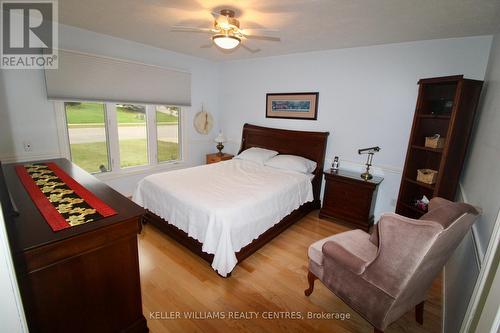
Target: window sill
pixel 141 170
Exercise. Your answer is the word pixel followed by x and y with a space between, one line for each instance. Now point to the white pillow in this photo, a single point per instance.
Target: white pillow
pixel 259 155
pixel 292 162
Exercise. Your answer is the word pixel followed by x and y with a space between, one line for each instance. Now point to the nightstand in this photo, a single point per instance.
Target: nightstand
pixel 349 198
pixel 214 158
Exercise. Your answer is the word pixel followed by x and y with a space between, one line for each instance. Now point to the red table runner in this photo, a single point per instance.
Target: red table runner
pixel 61 200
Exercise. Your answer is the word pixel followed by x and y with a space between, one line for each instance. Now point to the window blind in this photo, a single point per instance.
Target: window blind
pixel 94 78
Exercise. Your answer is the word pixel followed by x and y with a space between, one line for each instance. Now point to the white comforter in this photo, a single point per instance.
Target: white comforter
pixel 225 205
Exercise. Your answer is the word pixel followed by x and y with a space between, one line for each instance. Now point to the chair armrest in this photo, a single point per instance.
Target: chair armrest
pixel 344 258
pixel 351 249
pixel 403 242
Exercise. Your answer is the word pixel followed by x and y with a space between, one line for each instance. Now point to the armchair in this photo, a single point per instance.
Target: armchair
pixel 384 275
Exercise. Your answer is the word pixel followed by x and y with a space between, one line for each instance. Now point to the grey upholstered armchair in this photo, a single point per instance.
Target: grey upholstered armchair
pixel 384 275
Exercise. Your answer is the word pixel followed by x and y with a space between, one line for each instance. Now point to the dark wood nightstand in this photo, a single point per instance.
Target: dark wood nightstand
pixel 214 158
pixel 350 198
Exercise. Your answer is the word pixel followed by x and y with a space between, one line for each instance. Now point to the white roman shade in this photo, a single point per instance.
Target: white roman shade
pixel 93 78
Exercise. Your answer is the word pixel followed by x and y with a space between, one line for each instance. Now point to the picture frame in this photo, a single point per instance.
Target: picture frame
pixel 301 105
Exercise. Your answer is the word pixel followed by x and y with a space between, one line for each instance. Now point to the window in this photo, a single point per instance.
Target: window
pixel 110 137
pixel 132 134
pixel 167 127
pixel 87 135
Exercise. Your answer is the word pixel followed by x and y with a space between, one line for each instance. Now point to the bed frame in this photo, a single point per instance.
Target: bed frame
pixel 311 145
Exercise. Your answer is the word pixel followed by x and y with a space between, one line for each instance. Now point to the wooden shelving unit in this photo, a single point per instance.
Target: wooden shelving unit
pixel 428 186
pixel 445 106
pixel 432 116
pixel 434 150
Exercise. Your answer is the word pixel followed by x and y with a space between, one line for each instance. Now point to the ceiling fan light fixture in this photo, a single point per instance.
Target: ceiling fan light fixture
pixel 226 42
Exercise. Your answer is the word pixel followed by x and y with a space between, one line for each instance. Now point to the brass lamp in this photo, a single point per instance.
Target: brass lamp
pixel 220 138
pixel 370 151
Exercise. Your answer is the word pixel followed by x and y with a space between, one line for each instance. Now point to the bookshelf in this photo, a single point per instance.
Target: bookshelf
pixel 445 106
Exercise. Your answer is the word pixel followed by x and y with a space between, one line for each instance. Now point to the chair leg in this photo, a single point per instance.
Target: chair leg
pixel 419 313
pixel 310 278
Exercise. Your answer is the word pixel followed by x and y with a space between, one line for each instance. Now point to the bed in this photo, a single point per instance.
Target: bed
pixel 224 212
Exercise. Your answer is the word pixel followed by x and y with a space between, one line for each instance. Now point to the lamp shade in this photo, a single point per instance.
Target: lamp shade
pixel 220 137
pixel 227 42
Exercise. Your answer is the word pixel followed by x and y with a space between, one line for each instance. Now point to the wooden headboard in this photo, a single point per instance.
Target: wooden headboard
pixel 311 145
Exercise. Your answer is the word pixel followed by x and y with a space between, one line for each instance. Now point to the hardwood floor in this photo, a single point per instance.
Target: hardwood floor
pixel 271 280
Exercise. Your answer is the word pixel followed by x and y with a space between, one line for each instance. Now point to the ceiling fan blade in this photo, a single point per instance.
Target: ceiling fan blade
pixel 180 28
pixel 249 49
pixel 269 38
pixel 250 31
pixel 215 15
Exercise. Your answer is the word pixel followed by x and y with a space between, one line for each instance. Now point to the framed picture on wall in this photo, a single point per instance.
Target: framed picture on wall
pixel 292 105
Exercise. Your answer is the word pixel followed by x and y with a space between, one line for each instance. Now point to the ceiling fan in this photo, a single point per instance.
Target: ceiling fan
pixel 226 32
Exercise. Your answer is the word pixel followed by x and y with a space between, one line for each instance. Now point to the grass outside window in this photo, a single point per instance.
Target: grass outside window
pixel 87 131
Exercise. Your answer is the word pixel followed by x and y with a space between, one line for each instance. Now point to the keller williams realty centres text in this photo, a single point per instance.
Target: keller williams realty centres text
pixel 247 315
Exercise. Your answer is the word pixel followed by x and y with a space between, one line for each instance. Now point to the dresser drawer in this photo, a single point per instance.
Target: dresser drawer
pixel 346 200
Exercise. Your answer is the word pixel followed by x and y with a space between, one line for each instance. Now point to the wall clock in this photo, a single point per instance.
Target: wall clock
pixel 203 122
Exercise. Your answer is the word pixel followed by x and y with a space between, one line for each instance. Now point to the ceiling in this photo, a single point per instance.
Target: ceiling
pixel 304 25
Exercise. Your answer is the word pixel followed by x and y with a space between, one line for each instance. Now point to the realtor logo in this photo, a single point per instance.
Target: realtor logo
pixel 29 34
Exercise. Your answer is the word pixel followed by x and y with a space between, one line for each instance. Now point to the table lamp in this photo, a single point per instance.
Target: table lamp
pixel 369 151
pixel 220 138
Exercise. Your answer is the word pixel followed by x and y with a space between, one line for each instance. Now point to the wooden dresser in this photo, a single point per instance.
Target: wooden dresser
pixel 80 279
pixel 214 158
pixel 349 198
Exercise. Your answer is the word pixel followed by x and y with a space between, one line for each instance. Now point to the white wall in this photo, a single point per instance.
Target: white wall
pixel 481 187
pixel 481 175
pixel 27 115
pixel 367 96
pixel 460 276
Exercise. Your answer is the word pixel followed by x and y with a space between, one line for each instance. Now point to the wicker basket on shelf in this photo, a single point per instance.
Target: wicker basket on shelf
pixel 435 141
pixel 427 176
